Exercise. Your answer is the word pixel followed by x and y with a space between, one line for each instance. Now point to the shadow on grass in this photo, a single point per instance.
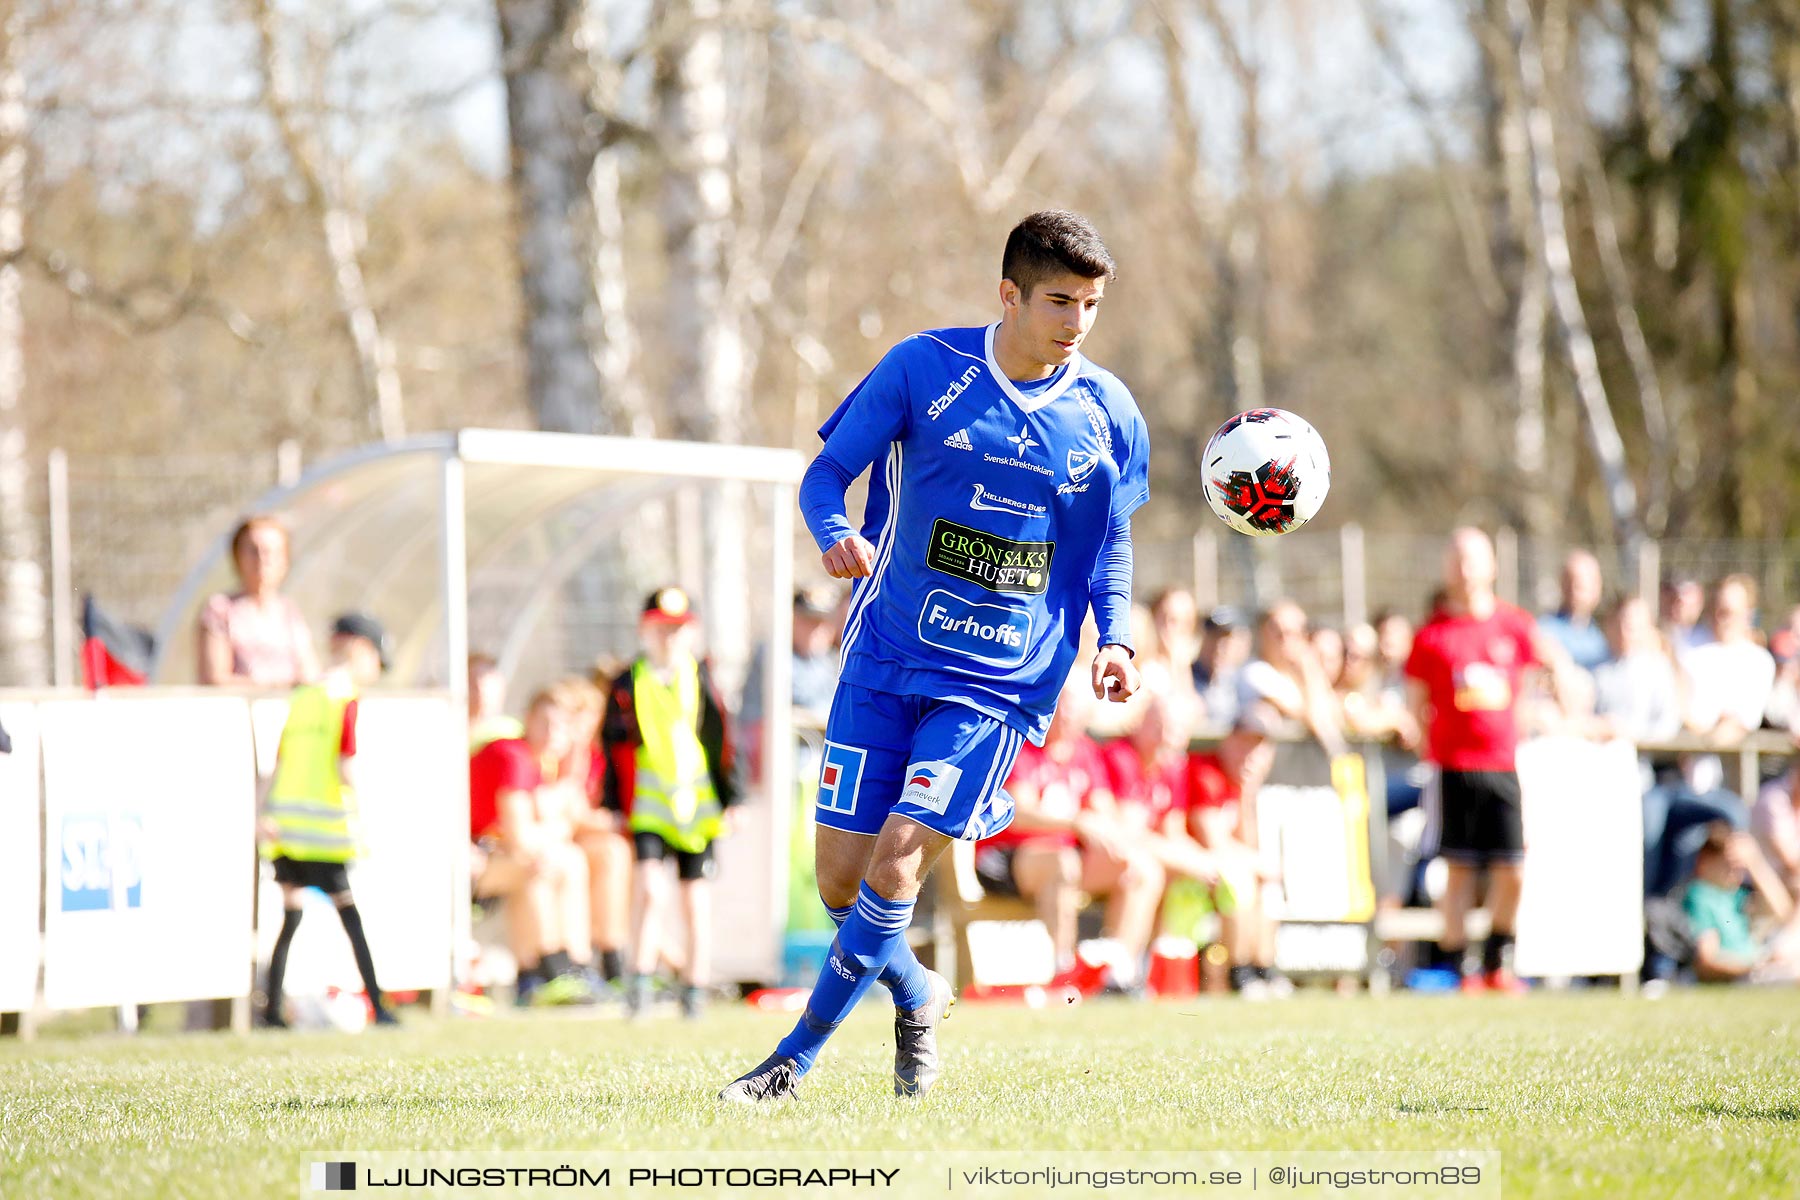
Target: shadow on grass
pixel 1745 1112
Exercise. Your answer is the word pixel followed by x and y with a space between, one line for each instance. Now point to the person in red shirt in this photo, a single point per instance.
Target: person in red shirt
pixel 520 822
pixel 597 829
pixel 1221 816
pixel 1066 840
pixel 1148 771
pixel 1468 667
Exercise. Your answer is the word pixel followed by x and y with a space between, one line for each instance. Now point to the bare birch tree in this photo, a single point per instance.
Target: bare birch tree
pixel 1547 200
pixel 326 186
pixel 23 660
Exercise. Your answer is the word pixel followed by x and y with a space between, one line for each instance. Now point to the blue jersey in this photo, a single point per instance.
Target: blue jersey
pixel 999 513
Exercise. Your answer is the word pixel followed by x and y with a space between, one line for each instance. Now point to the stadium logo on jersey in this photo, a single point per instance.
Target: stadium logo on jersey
pixel 840 778
pixel 1082 463
pixel 988 633
pixel 960 439
pixel 931 784
pixel 995 563
pixel 956 388
pixel 986 501
pixel 1024 442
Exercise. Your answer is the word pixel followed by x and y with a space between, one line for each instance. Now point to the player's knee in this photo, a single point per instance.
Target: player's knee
pixel 1068 866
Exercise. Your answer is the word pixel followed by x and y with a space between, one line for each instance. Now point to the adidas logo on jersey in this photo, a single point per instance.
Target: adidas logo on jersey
pixel 959 440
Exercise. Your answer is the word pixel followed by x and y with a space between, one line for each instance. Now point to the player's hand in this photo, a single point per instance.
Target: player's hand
pixel 1115 677
pixel 852 558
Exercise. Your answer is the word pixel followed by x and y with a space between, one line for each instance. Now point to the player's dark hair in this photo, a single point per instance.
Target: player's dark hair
pixel 1053 243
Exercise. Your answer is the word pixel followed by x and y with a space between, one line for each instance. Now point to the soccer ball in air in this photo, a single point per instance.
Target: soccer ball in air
pixel 1266 472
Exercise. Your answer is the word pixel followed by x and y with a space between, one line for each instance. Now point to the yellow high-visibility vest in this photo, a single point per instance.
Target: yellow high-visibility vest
pixel 674 796
pixel 308 801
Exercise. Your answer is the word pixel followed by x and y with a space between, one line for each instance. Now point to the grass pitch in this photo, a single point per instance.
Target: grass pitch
pixel 1584 1094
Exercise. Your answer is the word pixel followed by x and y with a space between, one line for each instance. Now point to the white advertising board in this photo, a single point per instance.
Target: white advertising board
pixel 149 818
pixel 19 883
pixel 1582 912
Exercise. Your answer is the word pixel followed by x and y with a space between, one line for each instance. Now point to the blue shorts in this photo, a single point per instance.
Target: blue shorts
pixel 936 762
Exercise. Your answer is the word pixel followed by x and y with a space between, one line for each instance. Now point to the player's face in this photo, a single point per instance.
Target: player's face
pixel 1053 321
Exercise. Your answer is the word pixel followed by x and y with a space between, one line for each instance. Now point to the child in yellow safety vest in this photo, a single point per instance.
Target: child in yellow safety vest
pixel 670 771
pixel 305 822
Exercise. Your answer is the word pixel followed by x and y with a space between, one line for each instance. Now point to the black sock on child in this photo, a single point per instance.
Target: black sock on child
pixel 359 945
pixel 1494 953
pixel 290 922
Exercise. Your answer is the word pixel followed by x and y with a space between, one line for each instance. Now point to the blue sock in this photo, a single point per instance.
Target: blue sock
pixel 904 974
pixel 864 943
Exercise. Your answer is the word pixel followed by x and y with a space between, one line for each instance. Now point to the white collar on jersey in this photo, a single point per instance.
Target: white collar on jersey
pixel 1049 395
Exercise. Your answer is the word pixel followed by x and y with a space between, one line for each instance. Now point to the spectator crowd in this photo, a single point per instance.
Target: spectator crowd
pixel 594 812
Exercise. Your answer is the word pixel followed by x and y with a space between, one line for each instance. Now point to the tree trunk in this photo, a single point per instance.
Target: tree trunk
pixel 1547 200
pixel 707 343
pixel 548 114
pixel 1644 64
pixel 23 660
pixel 615 337
pixel 1521 270
pixel 345 235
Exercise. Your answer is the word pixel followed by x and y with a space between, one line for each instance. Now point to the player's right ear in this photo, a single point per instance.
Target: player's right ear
pixel 1009 295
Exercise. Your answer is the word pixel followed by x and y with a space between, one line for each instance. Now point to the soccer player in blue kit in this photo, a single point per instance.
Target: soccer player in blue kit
pixel 1006 470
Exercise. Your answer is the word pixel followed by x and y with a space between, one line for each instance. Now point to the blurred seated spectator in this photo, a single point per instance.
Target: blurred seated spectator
pixel 1784 701
pixel 1147 770
pixel 817 624
pixel 1574 624
pixel 1176 620
pixel 1637 694
pixel 1393 645
pixel 1730 679
pixel 1224 648
pixel 1286 675
pixel 1775 822
pixel 526 855
pixel 1683 607
pixel 1784 642
pixel 1221 816
pixel 596 829
pixel 256 637
pixel 1328 648
pixel 1730 873
pixel 1371 708
pixel 1066 840
pixel 488 719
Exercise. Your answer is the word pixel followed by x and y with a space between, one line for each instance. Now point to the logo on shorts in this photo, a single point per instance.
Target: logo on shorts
pixel 989 561
pixel 931 784
pixel 840 778
pixel 990 633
